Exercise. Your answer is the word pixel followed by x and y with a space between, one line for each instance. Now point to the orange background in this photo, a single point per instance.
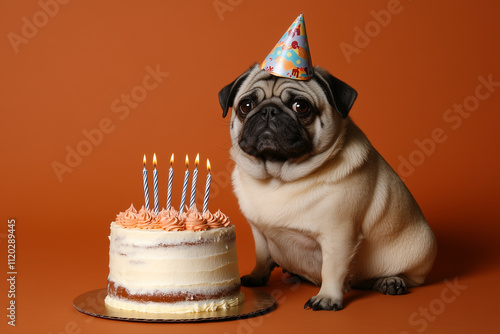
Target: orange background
pixel 68 76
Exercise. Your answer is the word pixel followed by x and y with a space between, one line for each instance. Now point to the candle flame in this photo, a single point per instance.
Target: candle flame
pixel 197 160
pixel 187 161
pixel 144 160
pixel 172 160
pixel 208 166
pixel 154 160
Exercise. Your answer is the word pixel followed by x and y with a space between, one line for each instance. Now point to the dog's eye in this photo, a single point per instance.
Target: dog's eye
pixel 246 106
pixel 300 106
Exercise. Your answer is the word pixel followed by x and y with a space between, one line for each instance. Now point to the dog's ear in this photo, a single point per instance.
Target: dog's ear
pixel 228 93
pixel 340 95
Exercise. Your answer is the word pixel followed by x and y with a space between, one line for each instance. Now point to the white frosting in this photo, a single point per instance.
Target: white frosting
pixel 158 261
pixel 180 307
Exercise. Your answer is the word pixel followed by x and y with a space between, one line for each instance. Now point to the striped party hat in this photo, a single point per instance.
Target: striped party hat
pixel 290 57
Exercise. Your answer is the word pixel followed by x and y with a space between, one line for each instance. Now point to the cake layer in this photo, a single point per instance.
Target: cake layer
pixel 145 260
pixel 151 269
pixel 207 305
pixel 157 237
pixel 217 268
pixel 159 296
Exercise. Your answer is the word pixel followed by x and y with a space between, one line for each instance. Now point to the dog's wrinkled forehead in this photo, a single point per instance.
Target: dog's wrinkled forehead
pixel 262 86
pixel 322 87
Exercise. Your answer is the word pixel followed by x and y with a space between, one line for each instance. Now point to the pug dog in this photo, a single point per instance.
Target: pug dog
pixel 322 203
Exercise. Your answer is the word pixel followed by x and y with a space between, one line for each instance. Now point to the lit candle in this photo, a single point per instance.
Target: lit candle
pixel 195 180
pixel 185 185
pixel 155 182
pixel 170 181
pixel 207 188
pixel 145 183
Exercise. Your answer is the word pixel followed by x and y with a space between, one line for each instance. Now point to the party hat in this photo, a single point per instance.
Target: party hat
pixel 290 57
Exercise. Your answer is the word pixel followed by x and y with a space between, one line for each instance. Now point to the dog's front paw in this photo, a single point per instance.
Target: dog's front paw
pixel 253 280
pixel 321 302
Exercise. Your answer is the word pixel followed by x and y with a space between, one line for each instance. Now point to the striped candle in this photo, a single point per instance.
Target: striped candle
pixel 155 182
pixel 170 182
pixel 145 184
pixel 207 189
pixel 185 185
pixel 194 181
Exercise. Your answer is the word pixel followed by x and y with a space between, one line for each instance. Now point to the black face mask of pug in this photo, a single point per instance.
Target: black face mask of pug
pixel 321 202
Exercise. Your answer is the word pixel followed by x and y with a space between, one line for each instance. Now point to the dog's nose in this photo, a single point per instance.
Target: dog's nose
pixel 268 112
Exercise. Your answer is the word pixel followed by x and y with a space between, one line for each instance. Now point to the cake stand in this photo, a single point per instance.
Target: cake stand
pixel 256 303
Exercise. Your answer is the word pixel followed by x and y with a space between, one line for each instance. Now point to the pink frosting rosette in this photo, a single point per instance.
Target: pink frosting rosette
pixel 144 218
pixel 212 221
pixel 194 220
pixel 223 219
pixel 168 220
pixel 128 218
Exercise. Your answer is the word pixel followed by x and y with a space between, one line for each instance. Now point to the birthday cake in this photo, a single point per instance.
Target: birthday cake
pixel 172 262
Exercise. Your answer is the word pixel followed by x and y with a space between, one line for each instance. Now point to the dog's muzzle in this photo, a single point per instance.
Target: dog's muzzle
pixel 272 134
